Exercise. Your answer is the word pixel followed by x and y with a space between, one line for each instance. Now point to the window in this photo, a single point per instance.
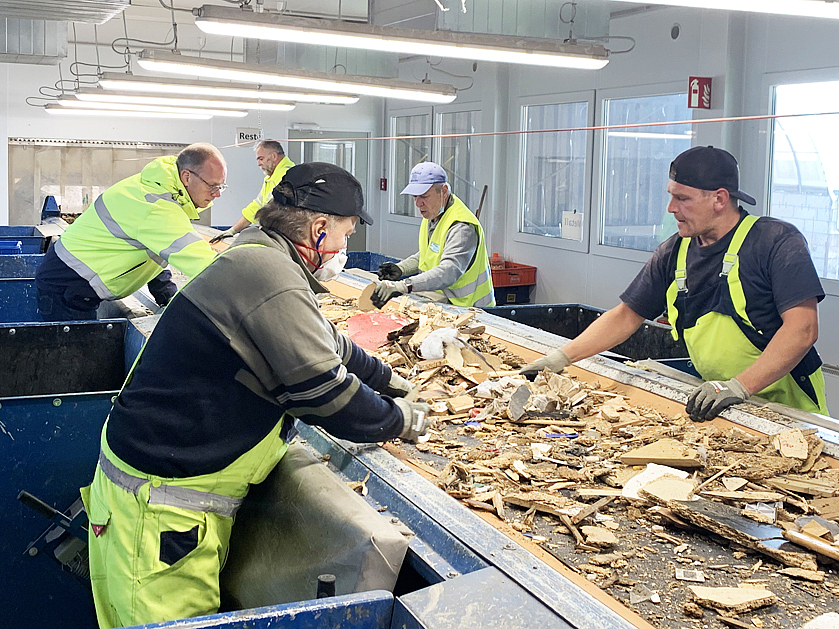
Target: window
pixel 804 181
pixel 75 173
pixel 553 178
pixel 460 157
pixel 408 153
pixel 636 162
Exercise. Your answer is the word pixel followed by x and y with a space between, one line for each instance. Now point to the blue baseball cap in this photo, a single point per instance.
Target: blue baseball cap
pixel 423 176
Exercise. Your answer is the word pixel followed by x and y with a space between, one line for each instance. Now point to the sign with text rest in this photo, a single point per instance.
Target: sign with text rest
pixel 248 135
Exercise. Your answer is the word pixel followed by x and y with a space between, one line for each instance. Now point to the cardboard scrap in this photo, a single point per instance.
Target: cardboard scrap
pixel 664 452
pixel 365 304
pixel 791 443
pixel 737 600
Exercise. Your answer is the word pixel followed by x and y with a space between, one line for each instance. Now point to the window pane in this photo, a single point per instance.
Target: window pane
pixel 804 186
pixel 409 153
pixel 554 175
pixel 635 169
pixel 460 157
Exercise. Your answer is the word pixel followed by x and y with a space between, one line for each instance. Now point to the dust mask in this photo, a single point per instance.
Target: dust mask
pixel 331 268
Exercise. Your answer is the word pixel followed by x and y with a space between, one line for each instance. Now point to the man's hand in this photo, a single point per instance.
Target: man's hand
pixel 713 397
pixel 390 271
pixel 227 233
pixel 415 416
pixel 556 361
pixel 385 291
pixel 397 386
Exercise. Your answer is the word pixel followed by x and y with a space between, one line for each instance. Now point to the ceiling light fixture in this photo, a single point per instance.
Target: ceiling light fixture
pixel 72 103
pixel 101 96
pixel 187 87
pixel 58 110
pixel 796 8
pixel 217 20
pixel 156 60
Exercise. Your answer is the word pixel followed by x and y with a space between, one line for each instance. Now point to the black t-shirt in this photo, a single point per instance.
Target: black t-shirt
pixel 776 272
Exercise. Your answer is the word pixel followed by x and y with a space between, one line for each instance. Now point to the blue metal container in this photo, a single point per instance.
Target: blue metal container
pixel 30 240
pixel 20 265
pixel 367 260
pixel 18 300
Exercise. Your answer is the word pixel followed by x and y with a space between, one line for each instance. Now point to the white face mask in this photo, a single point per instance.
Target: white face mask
pixel 331 268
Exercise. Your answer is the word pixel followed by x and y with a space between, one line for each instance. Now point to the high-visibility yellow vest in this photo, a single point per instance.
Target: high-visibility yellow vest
pixel 474 288
pixel 133 230
pixel 268 186
pixel 723 342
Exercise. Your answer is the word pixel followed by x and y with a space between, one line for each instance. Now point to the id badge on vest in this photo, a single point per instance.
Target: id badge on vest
pixel 434 247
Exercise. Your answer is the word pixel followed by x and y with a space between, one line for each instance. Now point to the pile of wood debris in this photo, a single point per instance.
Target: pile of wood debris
pixel 571 451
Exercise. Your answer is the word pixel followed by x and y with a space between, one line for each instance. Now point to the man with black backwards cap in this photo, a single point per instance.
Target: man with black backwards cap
pixel 741 290
pixel 452 256
pixel 210 405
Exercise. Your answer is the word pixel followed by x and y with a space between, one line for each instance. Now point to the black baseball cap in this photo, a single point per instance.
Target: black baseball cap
pixel 709 168
pixel 322 187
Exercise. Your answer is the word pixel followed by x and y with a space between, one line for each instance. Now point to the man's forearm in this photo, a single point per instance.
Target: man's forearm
pixel 788 346
pixel 611 328
pixel 241 224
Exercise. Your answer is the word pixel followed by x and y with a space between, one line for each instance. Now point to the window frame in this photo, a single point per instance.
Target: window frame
pixel 598 176
pixel 437 123
pixel 582 246
pixel 396 186
pixel 763 160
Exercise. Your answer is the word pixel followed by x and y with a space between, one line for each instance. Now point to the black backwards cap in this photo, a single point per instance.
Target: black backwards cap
pixel 709 168
pixel 322 187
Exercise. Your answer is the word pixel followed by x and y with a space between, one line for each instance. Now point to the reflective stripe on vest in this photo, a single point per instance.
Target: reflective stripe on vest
pixel 84 271
pixel 474 288
pixel 171 495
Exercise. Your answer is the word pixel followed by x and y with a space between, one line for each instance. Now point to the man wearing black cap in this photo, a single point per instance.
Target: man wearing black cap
pixel 741 290
pixel 210 406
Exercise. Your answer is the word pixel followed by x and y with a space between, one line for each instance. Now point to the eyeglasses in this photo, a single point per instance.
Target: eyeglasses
pixel 213 188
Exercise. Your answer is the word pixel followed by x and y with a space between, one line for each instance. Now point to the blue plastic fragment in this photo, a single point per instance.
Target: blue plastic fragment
pixel 558 435
pixel 472 424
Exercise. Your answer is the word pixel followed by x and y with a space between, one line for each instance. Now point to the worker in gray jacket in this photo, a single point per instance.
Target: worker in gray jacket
pixel 210 405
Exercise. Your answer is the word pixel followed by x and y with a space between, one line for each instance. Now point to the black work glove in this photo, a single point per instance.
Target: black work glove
pixel 162 288
pixel 227 233
pixel 385 291
pixel 711 398
pixel 390 271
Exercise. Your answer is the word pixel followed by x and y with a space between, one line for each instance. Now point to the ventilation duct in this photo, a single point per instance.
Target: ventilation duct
pixel 32 41
pixel 91 11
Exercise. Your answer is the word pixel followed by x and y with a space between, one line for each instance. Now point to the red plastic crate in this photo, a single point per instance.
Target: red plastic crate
pixel 514 275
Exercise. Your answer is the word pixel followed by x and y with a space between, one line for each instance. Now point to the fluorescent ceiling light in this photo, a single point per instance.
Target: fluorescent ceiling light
pixel 796 8
pixel 156 60
pixel 476 46
pixel 66 101
pixel 158 85
pixel 59 110
pixel 646 135
pixel 101 96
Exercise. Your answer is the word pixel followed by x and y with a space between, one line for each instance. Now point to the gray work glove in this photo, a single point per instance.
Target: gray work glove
pixel 387 290
pixel 390 271
pixel 555 361
pixel 397 386
pixel 415 417
pixel 711 398
pixel 227 233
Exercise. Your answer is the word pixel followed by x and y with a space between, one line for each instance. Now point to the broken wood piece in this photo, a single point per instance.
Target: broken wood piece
pixel 747 496
pixel 425 365
pixel 498 503
pixel 799 573
pixel 696 576
pixel 817 530
pixel 566 520
pixel 591 509
pixel 813 543
pixel 460 404
pixel 733 622
pixel 598 536
pixel 733 483
pixel 717 475
pixel 664 452
pixel 803 485
pixel 736 600
pixel 726 521
pixel 591 492
pixel 668 488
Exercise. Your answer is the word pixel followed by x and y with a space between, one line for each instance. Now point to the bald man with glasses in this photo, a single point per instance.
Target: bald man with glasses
pixel 130 234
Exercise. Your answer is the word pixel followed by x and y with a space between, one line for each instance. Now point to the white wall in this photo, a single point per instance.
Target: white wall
pixel 743 53
pixel 17 119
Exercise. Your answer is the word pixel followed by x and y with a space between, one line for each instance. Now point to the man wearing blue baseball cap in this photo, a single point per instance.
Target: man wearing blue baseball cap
pixel 741 290
pixel 452 256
